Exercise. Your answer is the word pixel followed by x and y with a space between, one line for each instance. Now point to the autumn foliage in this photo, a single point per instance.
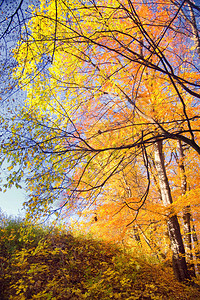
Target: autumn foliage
pixel 38 263
pixel 109 133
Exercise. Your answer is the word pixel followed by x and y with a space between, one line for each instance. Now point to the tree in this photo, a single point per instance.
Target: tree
pixel 179 262
pixel 107 84
pixel 14 15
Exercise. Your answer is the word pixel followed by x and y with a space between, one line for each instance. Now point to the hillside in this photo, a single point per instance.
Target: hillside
pixel 38 264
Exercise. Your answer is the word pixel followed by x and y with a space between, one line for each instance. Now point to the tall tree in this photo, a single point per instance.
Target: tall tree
pixel 179 262
pixel 186 211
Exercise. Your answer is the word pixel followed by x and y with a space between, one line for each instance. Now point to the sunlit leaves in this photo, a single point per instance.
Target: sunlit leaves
pixel 104 80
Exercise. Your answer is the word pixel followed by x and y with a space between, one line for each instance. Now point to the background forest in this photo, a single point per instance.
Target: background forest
pixel 107 138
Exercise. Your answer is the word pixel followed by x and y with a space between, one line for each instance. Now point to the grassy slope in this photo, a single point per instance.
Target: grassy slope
pixel 38 265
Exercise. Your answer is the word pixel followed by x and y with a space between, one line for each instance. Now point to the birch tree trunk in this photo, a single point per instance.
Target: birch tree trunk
pixel 186 213
pixel 195 31
pixel 177 247
pixel 136 235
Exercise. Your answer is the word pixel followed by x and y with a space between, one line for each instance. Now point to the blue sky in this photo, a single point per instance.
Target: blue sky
pixel 11 202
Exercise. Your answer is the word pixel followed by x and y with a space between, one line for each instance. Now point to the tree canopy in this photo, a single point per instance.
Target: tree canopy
pixel 110 125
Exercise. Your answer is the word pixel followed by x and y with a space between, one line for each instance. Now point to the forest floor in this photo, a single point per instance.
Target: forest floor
pixel 38 264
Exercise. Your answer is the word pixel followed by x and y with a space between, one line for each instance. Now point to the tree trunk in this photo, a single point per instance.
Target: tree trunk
pixel 196 248
pixel 195 31
pixel 186 213
pixel 136 235
pixel 177 247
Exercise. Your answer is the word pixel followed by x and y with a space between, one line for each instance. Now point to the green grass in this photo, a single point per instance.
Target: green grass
pixel 38 263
